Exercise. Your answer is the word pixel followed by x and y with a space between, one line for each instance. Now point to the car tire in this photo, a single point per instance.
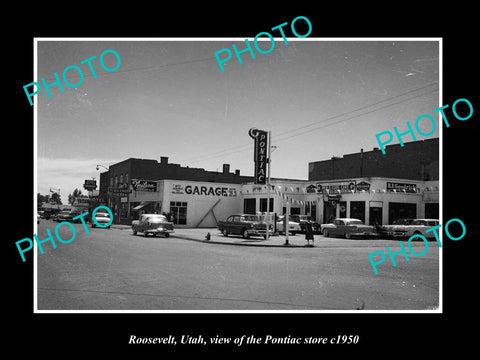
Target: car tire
pixel 225 232
pixel 325 233
pixel 93 225
pixel 145 234
pixel 348 236
pixel 167 235
pixel 245 234
pixel 134 231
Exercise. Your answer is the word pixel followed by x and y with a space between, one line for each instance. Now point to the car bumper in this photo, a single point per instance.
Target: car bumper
pixel 258 232
pixel 161 231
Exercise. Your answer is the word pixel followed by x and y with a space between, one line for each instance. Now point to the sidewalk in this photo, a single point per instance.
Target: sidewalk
pixel 199 234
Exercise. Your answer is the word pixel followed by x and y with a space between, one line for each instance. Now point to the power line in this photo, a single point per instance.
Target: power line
pixel 355 116
pixel 241 148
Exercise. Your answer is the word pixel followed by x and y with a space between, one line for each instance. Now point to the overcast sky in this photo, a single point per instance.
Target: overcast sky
pixel 169 98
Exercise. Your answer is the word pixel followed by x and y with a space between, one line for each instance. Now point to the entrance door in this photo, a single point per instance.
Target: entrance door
pixel 375 216
pixel 178 211
pixel 329 212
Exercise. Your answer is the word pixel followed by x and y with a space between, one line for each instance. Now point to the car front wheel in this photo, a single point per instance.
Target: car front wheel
pixel 134 231
pixel 325 233
pixel 347 235
pixel 225 232
pixel 245 234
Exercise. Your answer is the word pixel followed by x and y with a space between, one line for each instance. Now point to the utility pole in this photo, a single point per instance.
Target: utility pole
pixel 269 160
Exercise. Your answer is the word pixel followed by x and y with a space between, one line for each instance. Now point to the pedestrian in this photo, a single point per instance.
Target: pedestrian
pixel 309 233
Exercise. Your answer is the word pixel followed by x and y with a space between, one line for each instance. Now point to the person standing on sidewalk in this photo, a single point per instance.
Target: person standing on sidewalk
pixel 309 233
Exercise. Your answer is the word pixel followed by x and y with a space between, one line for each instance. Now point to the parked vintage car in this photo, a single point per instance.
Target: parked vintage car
pixel 349 227
pixel 293 227
pixel 417 226
pixel 152 224
pixel 103 218
pixel 388 230
pixel 245 225
pixel 303 219
pixel 64 215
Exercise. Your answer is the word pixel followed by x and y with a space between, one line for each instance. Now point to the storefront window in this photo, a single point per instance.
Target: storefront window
pixel 357 210
pixel 401 211
pixel 178 211
pixel 432 211
pixel 249 206
pixel 263 205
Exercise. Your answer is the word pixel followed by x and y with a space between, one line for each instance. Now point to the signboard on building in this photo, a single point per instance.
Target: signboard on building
pixel 394 186
pixel 204 190
pixel 144 185
pixel 90 184
pixel 260 154
pixel 81 201
pixel 363 185
pixel 341 186
pixel 119 192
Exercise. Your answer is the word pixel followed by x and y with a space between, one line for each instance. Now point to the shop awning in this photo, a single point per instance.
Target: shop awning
pixel 142 205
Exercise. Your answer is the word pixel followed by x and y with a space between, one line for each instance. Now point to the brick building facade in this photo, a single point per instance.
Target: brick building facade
pixel 417 160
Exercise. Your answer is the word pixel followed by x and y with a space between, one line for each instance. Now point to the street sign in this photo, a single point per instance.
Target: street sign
pixel 90 184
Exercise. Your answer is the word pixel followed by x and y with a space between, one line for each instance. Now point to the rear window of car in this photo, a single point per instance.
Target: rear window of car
pixel 102 214
pixel 355 222
pixel 157 218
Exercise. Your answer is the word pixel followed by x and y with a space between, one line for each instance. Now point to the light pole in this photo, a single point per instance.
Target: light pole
pixel 269 161
pixel 106 168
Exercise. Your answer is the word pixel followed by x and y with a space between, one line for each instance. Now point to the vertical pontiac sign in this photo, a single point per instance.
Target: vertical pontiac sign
pixel 260 154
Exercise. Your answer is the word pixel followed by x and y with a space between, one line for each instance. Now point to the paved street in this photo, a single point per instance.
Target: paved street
pixel 115 270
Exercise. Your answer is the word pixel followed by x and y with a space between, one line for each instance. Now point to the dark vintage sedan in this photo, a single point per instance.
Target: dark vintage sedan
pixel 64 215
pixel 349 228
pixel 244 224
pixel 152 224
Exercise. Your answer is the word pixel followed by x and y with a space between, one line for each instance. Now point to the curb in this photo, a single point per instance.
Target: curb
pixel 242 244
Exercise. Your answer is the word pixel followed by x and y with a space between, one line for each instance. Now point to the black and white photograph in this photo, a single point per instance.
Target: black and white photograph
pixel 175 145
pixel 240 181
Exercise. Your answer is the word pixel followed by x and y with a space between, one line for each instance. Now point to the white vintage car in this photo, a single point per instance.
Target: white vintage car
pixel 349 228
pixel 102 218
pixel 293 226
pixel 417 226
pixel 152 224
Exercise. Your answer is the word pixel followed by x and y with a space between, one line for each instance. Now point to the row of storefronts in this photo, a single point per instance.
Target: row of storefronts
pixel 201 204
